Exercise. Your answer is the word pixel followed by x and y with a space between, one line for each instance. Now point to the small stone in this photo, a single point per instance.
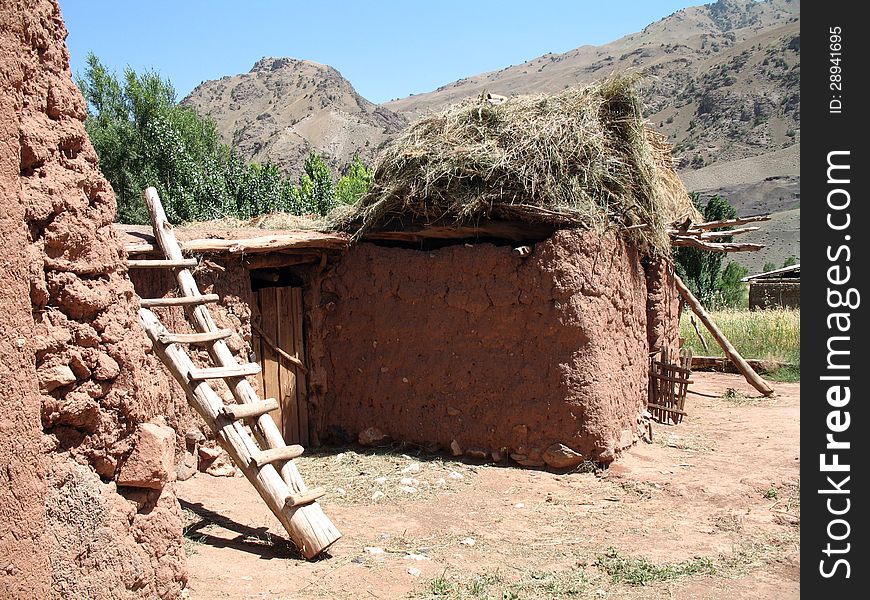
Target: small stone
pixel 469 541
pixel 209 453
pixel 519 505
pixel 560 456
pixel 455 475
pixel 477 453
pixel 186 467
pixel 385 369
pixel 409 481
pixel 440 481
pixel 527 460
pixel 408 489
pixel 404 380
pixel 374 550
pixel 78 366
pixel 54 377
pixel 194 436
pixel 340 491
pixel 451 411
pixel 377 495
pixel 607 456
pixel 412 468
pixel 413 556
pixel 414 572
pixel 106 367
pixel 381 480
pixel 152 462
pixel 222 466
pixel 455 448
pixel 371 436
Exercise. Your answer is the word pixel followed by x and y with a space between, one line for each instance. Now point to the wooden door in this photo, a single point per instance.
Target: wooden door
pixel 280 318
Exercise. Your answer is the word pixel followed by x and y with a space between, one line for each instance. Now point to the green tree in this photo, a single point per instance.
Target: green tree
pixel 355 183
pixel 144 137
pixel 316 190
pixel 701 270
pixel 790 261
pixel 730 291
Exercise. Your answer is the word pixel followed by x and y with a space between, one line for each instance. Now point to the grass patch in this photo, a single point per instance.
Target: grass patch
pixel 640 571
pixel 193 539
pixel 740 399
pixel 532 585
pixel 767 335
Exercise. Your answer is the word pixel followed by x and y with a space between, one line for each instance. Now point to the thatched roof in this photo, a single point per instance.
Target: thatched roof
pixel 582 157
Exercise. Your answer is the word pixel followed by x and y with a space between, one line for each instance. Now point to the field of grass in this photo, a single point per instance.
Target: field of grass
pixel 769 335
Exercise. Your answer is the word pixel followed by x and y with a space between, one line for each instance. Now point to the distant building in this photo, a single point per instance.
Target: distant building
pixel 780 288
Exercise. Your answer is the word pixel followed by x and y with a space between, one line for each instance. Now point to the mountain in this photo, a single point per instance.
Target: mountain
pixel 721 80
pixel 283 108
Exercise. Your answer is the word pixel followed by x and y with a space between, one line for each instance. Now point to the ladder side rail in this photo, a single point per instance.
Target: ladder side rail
pixel 308 519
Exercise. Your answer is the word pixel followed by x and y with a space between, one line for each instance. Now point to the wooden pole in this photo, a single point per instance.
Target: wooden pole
pixel 308 526
pixel 748 372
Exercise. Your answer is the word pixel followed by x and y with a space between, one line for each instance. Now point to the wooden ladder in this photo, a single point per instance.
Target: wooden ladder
pixel 245 430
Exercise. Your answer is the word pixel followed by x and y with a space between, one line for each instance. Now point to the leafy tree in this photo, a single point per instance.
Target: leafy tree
pixel 790 261
pixel 701 270
pixel 316 189
pixel 355 183
pixel 144 137
pixel 730 291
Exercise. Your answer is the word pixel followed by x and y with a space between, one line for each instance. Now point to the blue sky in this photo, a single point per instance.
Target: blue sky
pixel 386 49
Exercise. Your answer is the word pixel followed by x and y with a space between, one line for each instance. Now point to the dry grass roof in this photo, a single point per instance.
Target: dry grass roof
pixel 582 157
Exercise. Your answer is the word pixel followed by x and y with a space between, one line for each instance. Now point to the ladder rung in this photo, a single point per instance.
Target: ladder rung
pixel 251 409
pixel 264 457
pixel 194 338
pixel 305 497
pixel 222 372
pixel 183 301
pixel 161 264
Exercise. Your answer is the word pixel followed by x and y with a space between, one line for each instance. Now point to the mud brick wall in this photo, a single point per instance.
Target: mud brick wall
pixel 79 515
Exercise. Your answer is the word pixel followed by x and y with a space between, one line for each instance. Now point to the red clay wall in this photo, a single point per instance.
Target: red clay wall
pixel 77 375
pixel 663 308
pixel 478 345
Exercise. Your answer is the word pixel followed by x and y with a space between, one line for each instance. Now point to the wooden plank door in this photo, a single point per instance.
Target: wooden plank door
pixel 280 314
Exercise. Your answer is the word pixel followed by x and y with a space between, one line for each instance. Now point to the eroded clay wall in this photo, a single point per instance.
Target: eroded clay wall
pixel 663 307
pixel 478 345
pixel 88 509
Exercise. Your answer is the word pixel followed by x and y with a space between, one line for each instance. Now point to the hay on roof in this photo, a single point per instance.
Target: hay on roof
pixel 582 157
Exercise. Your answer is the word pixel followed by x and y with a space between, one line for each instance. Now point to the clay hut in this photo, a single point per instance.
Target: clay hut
pixel 498 293
pixel 780 288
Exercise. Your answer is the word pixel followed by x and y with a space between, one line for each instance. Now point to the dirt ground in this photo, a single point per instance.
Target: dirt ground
pixel 709 510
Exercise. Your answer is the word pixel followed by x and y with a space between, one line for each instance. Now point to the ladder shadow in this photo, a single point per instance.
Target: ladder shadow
pixel 254 540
